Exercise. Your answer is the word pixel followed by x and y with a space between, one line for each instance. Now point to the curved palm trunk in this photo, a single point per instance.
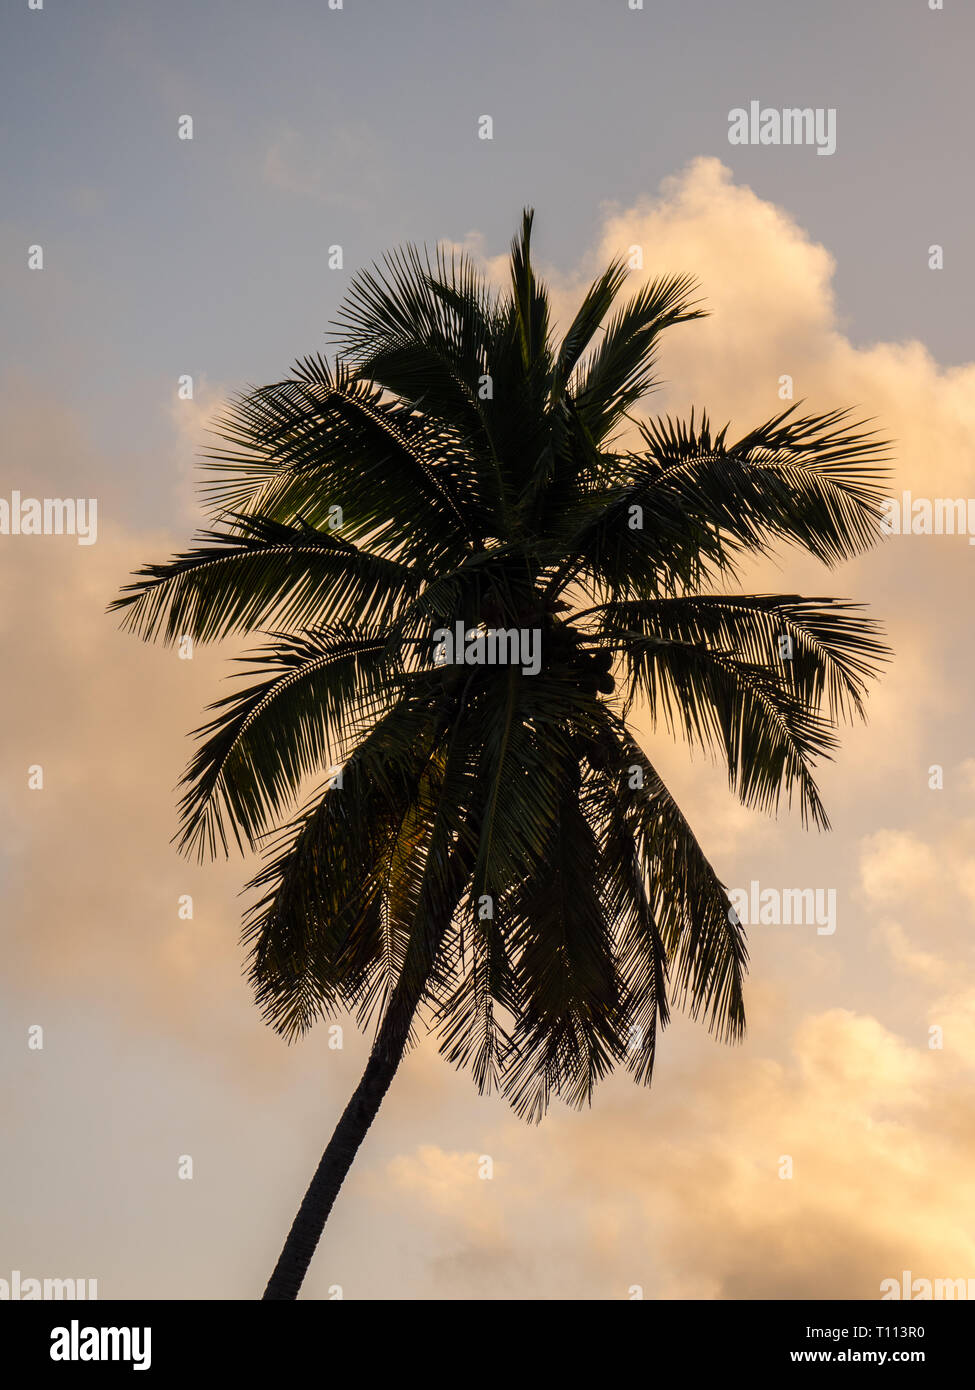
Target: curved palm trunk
pixel 343 1146
pixel 387 1052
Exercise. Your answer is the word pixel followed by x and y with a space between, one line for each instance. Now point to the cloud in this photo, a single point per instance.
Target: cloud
pixel 894 863
pixel 457 1186
pixel 761 1179
pixel 768 288
pixel 194 422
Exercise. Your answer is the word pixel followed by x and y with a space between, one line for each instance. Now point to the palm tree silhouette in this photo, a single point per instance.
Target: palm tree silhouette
pixel 492 853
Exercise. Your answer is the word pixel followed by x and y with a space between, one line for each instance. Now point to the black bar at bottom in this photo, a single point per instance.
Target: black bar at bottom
pixel 111 1337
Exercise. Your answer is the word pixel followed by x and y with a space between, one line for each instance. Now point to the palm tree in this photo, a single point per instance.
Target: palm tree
pixel 492 853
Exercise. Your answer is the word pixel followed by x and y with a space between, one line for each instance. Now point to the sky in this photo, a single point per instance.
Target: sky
pixel 209 257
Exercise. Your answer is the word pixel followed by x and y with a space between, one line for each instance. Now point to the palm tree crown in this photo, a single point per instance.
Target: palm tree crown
pixel 492 850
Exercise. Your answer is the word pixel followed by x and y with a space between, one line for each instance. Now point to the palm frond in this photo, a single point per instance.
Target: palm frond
pixel 324 439
pixel 832 649
pixel 680 514
pixel 622 368
pixel 263 575
pixel 268 738
pixel 704 942
pixel 769 737
pixel 317 934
